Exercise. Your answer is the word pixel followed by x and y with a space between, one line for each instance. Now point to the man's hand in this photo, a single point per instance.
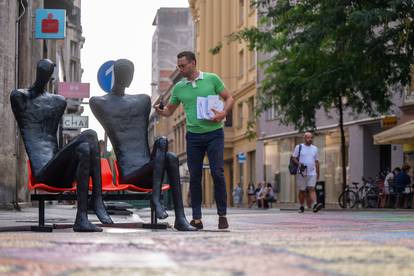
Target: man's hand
pixel 159 110
pixel 218 115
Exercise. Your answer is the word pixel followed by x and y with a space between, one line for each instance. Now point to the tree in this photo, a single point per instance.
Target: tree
pixel 343 54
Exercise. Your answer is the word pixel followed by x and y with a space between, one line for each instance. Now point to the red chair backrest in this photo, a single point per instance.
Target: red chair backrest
pixel 107 179
pixel 30 178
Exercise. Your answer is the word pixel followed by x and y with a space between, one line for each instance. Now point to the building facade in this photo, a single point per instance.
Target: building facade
pixel 19 54
pixel 275 144
pixel 173 34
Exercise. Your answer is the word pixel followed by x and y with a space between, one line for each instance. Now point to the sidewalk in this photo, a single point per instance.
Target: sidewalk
pixel 259 242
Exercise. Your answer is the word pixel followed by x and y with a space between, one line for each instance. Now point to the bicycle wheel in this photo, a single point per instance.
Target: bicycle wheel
pixel 371 199
pixel 350 199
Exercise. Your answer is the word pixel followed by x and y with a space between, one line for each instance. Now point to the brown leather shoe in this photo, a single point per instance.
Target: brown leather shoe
pixel 198 224
pixel 223 224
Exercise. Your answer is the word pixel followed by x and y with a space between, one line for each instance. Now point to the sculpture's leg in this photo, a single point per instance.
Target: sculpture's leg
pixel 158 158
pixel 82 224
pixel 96 201
pixel 172 166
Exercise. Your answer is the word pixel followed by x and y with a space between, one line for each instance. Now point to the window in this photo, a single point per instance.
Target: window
pixel 240 115
pixel 241 63
pixel 74 74
pixel 241 12
pixel 74 49
pixel 272 113
pixel 251 109
pixel 252 59
pixel 229 119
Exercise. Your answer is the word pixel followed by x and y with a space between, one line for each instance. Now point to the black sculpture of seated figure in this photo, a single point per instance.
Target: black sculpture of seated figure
pixel 38 114
pixel 125 119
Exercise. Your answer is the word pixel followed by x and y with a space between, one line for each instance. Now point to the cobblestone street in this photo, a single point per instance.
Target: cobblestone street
pixel 269 242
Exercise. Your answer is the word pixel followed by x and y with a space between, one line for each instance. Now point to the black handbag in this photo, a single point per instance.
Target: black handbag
pixel 293 168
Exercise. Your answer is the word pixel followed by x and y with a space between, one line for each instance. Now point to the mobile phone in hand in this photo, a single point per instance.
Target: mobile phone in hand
pixel 161 105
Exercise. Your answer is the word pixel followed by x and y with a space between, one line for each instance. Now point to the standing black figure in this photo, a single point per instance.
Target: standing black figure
pixel 125 119
pixel 38 114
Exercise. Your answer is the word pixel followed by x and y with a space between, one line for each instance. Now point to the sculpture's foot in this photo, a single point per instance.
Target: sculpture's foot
pixel 82 224
pixel 102 214
pixel 181 224
pixel 160 212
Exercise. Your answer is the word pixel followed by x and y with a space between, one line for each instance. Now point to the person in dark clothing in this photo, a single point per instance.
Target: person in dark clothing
pixel 402 179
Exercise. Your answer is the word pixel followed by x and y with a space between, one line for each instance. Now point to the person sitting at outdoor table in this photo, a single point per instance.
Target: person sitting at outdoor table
pixel 270 195
pixel 388 182
pixel 402 180
pixel 257 193
pixel 251 196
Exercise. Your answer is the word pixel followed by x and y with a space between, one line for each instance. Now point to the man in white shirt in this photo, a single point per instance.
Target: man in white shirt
pixel 306 157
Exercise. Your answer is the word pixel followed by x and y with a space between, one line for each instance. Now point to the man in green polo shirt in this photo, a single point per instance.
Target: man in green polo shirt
pixel 203 136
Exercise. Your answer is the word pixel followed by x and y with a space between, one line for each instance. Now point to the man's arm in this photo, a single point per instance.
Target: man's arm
pixel 295 156
pixel 167 111
pixel 228 104
pixel 295 160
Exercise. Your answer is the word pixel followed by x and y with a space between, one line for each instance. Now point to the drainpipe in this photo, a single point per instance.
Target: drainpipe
pixel 16 84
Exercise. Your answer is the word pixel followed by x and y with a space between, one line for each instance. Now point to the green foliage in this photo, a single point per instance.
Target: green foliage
pixel 323 50
pixel 216 49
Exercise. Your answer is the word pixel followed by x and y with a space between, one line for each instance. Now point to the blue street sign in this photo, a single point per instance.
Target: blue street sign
pixel 50 24
pixel 106 76
pixel 241 157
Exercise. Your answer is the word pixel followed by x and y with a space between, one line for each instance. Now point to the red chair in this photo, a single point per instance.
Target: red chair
pixel 142 191
pixel 108 184
pixel 45 187
pixel 58 194
pixel 135 188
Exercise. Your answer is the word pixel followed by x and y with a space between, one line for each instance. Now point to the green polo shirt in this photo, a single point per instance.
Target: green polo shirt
pixel 186 92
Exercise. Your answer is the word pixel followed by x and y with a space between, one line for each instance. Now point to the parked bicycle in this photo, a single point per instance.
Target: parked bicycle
pixel 365 196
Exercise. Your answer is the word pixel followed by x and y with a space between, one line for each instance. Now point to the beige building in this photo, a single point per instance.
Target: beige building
pixel 236 65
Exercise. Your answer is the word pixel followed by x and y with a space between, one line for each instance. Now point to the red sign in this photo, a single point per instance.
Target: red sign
pixel 73 90
pixel 50 25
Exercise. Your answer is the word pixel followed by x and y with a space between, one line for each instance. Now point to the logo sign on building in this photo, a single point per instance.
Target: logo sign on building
pixel 241 157
pixel 389 121
pixel 50 24
pixel 75 121
pixel 74 90
pixel 106 76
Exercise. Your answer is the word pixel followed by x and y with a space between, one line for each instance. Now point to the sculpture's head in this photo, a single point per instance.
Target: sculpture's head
pixel 123 74
pixel 44 71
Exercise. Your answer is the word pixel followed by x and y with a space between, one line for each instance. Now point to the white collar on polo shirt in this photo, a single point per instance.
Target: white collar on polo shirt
pixel 193 82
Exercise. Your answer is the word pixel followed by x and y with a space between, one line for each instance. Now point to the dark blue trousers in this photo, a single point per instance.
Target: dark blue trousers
pixel 198 144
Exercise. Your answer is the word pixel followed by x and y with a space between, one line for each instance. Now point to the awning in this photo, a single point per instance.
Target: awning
pixel 402 134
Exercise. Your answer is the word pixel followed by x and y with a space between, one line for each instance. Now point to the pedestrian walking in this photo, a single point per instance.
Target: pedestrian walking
pixel 237 195
pixel 203 136
pixel 305 156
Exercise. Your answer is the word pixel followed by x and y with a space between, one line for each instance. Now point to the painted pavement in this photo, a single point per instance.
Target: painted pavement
pixel 269 242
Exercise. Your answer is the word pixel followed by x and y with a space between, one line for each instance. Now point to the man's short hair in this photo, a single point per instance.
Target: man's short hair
pixel 190 56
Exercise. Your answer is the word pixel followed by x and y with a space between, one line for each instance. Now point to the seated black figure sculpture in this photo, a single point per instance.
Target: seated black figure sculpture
pixel 125 120
pixel 38 114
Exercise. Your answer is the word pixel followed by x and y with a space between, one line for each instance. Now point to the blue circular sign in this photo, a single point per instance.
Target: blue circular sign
pixel 106 76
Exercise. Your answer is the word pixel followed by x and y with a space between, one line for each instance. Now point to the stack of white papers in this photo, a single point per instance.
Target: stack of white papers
pixel 205 106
